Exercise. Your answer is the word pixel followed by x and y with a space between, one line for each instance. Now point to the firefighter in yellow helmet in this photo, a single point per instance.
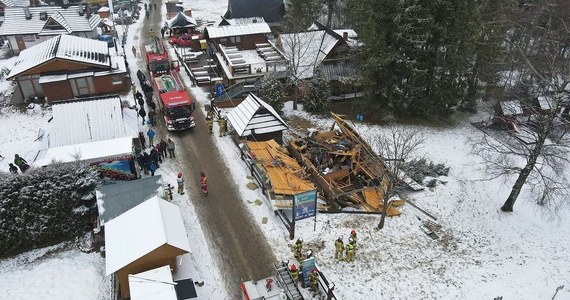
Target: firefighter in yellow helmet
pixel 314 280
pixel 298 248
pixel 350 250
pixel 339 245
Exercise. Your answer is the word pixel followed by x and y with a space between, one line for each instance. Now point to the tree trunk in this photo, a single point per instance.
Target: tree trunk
pixel 384 211
pixel 523 175
pixel 296 95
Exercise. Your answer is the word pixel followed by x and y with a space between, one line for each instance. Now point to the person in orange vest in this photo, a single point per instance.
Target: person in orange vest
pixel 204 183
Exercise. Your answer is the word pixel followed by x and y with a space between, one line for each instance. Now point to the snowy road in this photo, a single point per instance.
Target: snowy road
pixel 236 241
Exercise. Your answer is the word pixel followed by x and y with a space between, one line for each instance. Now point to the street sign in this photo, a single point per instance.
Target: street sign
pixel 305 205
pixel 308 266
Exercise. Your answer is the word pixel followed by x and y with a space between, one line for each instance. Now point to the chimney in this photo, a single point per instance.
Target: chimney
pixel 27 13
pixel 81 10
pixel 345 36
pixel 65 4
pixel 43 16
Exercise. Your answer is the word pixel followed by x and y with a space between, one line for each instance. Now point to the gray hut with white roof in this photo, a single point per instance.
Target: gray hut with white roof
pixel 253 119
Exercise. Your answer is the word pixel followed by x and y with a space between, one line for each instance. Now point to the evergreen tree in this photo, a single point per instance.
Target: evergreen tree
pixel 317 97
pixel 423 57
pixel 44 206
pixel 300 14
pixel 272 91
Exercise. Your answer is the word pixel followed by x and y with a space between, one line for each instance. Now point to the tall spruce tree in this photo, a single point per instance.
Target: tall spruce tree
pixel 317 97
pixel 419 55
pixel 272 91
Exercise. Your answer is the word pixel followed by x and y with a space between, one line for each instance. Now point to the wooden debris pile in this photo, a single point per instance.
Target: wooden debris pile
pixel 276 171
pixel 345 168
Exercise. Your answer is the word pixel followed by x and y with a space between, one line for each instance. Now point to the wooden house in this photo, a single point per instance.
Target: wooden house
pixel 242 36
pixel 148 236
pixel 67 67
pixel 99 131
pixel 25 27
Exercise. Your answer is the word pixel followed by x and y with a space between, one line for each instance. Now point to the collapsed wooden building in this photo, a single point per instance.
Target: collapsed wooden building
pixel 345 168
pixel 278 174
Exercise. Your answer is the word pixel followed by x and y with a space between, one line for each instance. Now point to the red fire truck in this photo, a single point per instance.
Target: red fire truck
pixel 175 102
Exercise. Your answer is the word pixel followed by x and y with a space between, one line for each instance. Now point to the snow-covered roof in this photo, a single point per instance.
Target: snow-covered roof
pixel 181 21
pixel 88 120
pixel 306 50
pixel 153 284
pixel 254 114
pixel 236 30
pixel 64 47
pixel 16 3
pixel 142 229
pixel 115 199
pixel 15 22
pixel 92 151
pixel 511 108
pixel 351 33
pixel 238 21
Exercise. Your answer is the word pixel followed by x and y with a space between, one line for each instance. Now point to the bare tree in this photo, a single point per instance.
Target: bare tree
pixel 301 49
pixel 396 144
pixel 538 152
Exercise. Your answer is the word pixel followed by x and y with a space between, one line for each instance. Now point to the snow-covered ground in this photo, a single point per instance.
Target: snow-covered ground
pixel 482 252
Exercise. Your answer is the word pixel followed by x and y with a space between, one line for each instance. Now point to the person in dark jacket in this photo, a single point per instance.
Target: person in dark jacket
pixel 154 156
pixel 142 113
pixel 163 148
pixel 13 169
pixel 142 139
pixel 145 160
pixel 151 114
pixel 159 151
pixel 21 163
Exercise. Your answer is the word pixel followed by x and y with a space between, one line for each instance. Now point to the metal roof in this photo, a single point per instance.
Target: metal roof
pixel 16 3
pixel 306 50
pixel 236 30
pixel 141 230
pixel 87 120
pixel 15 22
pixel 255 116
pixel 115 199
pixel 181 21
pixel 339 69
pixel 66 47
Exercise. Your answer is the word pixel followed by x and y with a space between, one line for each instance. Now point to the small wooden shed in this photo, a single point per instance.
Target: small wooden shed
pixel 255 120
pixel 148 236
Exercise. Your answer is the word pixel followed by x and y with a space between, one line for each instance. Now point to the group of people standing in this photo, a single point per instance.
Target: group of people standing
pixel 150 161
pixel 20 163
pixel 349 249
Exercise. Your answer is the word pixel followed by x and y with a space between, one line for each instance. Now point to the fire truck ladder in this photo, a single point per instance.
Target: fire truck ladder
pixel 287 284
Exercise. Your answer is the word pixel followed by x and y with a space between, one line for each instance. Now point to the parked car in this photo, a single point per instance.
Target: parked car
pixel 186 40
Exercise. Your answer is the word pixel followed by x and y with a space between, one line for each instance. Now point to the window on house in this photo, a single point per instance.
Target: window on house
pixel 82 86
pixel 224 41
pixel 117 79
